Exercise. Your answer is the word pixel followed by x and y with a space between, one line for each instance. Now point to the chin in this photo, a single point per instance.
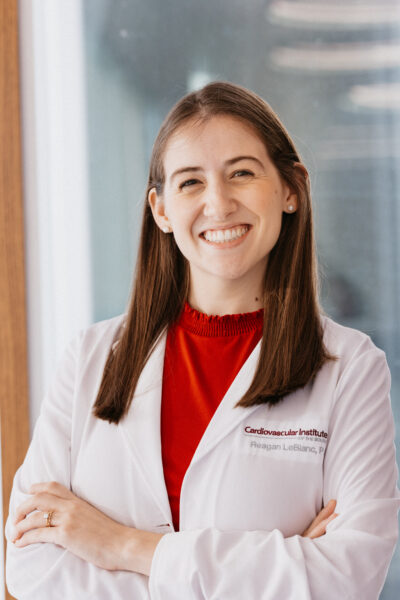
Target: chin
pixel 229 274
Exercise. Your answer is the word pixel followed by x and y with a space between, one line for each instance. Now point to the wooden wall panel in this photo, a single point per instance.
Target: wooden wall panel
pixel 14 411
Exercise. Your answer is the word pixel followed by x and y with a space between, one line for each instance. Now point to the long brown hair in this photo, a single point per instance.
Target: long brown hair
pixel 292 349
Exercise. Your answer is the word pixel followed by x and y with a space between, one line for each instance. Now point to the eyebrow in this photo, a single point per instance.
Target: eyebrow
pixel 228 162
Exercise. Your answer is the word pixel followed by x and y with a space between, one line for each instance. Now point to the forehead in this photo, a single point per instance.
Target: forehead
pixel 218 138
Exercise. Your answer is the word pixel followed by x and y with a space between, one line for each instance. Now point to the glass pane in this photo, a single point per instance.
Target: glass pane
pixel 331 69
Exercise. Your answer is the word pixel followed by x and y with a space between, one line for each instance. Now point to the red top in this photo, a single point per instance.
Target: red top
pixel 203 356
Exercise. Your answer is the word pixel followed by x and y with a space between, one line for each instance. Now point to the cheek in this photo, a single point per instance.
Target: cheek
pixel 186 245
pixel 276 222
pixel 270 211
pixel 182 227
pixel 271 224
pixel 182 217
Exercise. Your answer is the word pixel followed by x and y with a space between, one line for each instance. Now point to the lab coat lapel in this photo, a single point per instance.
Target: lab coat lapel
pixel 141 428
pixel 227 417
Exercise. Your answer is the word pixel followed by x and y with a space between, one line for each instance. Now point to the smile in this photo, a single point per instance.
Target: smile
pixel 221 236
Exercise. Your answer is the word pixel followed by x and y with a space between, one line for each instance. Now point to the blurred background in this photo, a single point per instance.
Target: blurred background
pixel 98 77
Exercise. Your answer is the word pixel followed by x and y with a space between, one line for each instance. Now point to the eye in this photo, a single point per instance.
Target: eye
pixel 243 173
pixel 188 183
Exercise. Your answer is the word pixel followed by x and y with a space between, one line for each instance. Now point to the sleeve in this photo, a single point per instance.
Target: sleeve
pixel 47 571
pixel 350 561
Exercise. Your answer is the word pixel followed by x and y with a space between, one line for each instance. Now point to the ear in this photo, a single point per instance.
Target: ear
pixel 291 202
pixel 158 209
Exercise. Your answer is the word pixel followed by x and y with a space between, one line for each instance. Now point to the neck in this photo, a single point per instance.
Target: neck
pixel 216 296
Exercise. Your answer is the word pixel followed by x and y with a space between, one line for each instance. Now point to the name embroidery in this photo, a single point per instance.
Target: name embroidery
pixel 286 432
pixel 308 442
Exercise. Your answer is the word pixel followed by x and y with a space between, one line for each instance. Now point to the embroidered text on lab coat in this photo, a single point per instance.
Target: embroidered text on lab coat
pixel 290 443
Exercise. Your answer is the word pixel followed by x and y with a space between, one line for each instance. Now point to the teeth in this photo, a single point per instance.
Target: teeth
pixel 225 235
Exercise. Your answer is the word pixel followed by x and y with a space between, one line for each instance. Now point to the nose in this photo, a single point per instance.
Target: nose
pixel 218 200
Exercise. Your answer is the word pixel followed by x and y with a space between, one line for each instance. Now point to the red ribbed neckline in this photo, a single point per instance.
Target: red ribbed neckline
pixel 216 325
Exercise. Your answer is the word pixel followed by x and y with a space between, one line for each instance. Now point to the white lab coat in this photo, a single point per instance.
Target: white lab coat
pixel 257 479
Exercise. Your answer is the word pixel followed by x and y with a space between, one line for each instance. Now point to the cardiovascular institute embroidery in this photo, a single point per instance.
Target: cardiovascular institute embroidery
pixel 291 443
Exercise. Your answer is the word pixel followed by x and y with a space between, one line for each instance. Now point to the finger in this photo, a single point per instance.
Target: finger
pixel 51 487
pixel 328 509
pixel 320 529
pixel 34 536
pixel 42 502
pixel 35 520
pixel 324 512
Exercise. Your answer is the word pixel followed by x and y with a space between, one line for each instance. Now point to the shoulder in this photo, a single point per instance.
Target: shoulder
pixel 93 343
pixel 346 342
pixel 354 350
pixel 103 331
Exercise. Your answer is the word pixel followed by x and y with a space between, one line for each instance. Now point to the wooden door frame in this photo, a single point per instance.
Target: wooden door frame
pixel 14 402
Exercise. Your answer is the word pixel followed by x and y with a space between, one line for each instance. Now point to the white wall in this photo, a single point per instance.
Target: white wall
pixel 55 183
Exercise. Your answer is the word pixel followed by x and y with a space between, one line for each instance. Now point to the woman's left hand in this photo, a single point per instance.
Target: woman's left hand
pixel 82 529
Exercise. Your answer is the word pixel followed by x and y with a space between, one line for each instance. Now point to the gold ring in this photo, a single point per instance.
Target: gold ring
pixel 48 516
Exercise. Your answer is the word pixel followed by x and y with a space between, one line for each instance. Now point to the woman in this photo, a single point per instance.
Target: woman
pixel 184 447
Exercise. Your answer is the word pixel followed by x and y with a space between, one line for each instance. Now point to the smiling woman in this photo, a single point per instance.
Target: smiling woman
pixel 216 427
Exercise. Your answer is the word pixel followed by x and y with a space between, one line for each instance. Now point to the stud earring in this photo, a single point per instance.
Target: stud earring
pixel 166 230
pixel 290 207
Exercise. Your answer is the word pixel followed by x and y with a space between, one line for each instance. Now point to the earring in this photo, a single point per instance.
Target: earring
pixel 166 230
pixel 290 207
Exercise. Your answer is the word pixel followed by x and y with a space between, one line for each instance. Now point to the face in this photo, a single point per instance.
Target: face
pixel 223 199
